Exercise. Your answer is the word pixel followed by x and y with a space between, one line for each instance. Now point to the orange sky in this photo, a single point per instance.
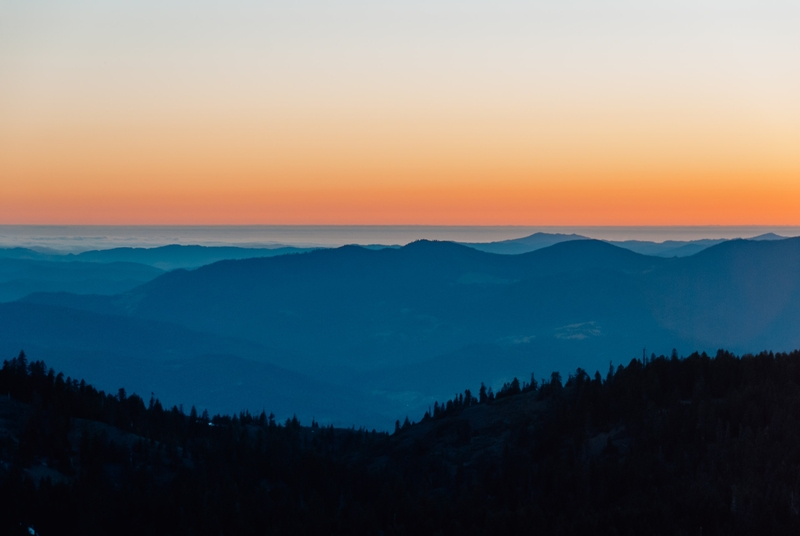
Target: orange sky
pixel 520 115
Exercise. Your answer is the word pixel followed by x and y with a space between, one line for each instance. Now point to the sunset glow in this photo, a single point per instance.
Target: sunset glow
pixel 555 114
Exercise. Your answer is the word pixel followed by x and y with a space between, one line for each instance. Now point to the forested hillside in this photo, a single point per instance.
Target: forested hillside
pixel 666 445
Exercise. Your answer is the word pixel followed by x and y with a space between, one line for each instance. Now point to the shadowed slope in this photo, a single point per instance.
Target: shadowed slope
pixel 366 308
pixel 734 294
pixel 180 365
pixel 21 276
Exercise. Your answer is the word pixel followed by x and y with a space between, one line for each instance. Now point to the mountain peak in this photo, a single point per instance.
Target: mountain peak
pixel 769 236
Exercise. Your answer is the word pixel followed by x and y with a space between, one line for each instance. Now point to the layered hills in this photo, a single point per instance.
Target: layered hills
pixel 667 248
pixel 182 256
pixel 22 276
pixel 400 327
pixel 25 271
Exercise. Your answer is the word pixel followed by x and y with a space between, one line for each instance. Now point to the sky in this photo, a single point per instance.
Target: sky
pixel 538 112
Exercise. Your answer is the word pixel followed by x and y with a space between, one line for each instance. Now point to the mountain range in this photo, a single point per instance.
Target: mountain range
pixel 668 248
pixel 383 332
pixel 26 271
pixel 167 257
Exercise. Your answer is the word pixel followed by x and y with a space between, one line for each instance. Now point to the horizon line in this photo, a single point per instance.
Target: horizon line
pixel 410 225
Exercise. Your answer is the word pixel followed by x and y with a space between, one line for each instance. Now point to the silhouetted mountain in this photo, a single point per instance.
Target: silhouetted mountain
pixel 768 236
pixel 22 276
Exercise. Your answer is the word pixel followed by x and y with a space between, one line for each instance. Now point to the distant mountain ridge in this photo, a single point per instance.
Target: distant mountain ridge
pixel 525 244
pixel 168 257
pixel 183 256
pixel 25 271
pixel 668 248
pixel 21 276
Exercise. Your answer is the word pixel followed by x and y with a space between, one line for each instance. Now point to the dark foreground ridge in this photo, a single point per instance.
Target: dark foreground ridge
pixel 698 445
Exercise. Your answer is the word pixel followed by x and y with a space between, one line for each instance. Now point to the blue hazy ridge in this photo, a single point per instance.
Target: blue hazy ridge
pixel 370 335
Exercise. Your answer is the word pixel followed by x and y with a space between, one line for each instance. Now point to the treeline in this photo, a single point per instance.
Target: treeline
pixel 87 462
pixel 665 445
pixel 514 387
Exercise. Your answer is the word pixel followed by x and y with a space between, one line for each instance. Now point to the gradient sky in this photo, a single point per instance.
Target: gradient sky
pixel 558 112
